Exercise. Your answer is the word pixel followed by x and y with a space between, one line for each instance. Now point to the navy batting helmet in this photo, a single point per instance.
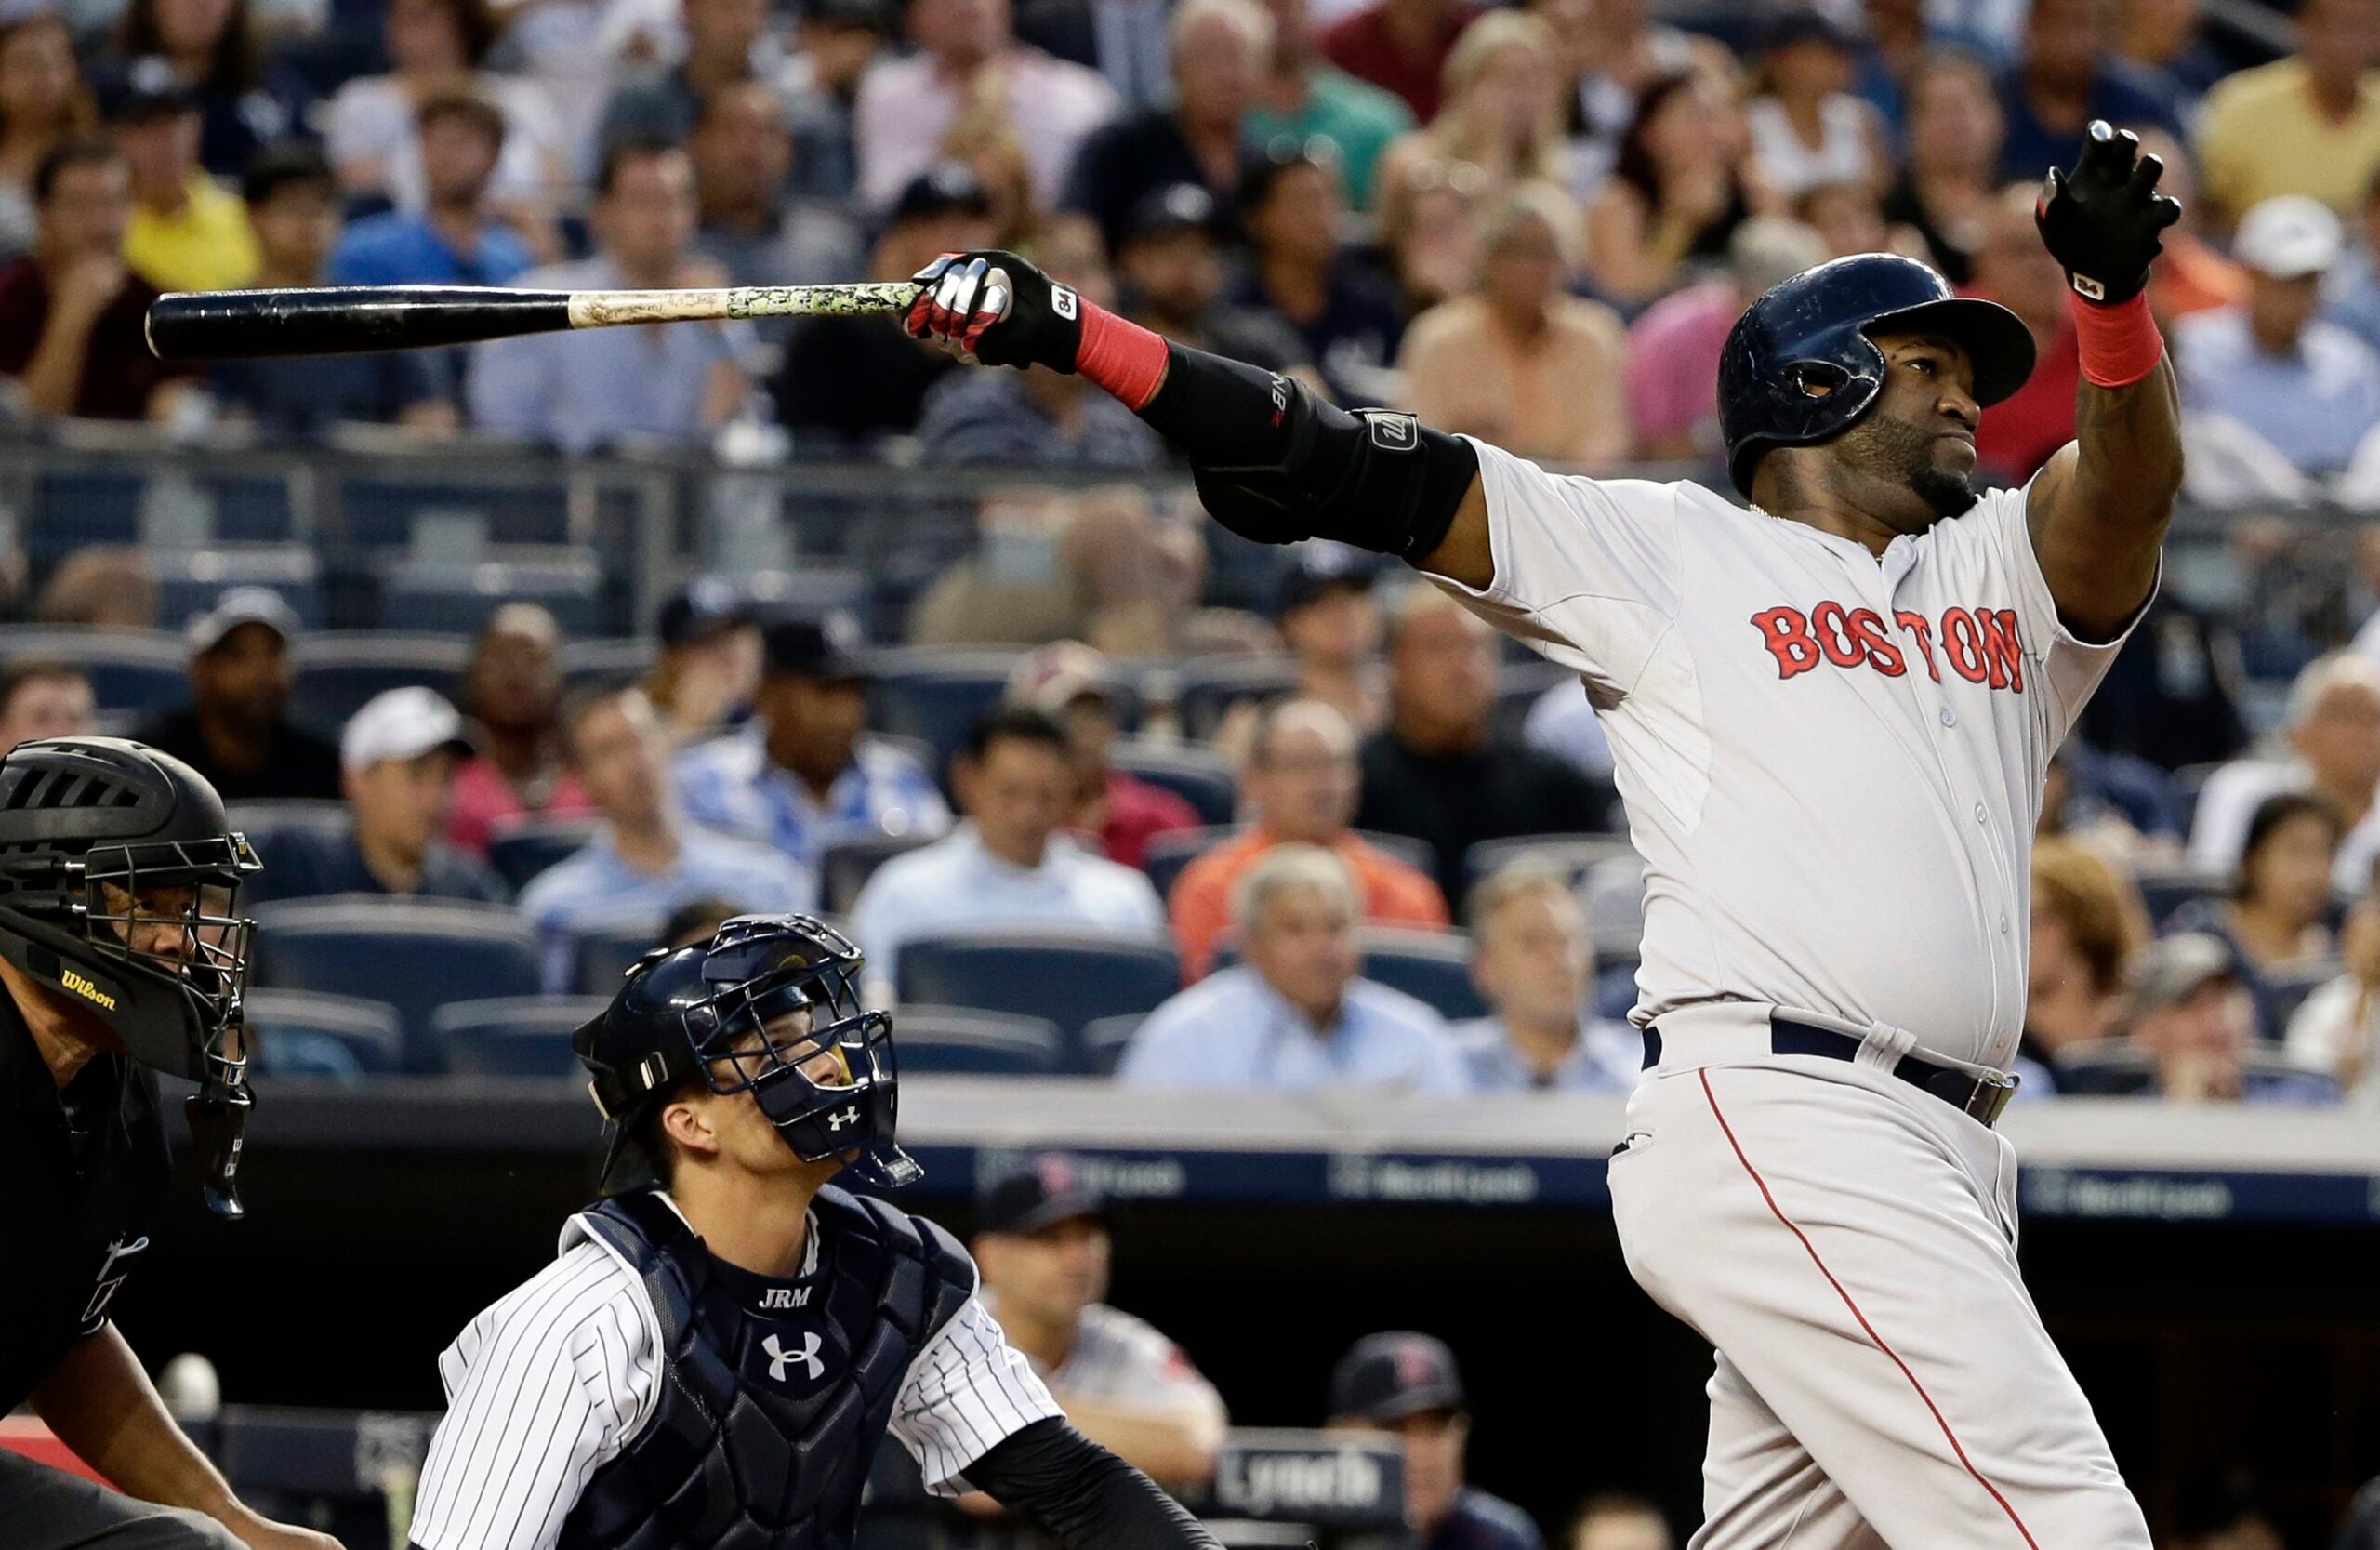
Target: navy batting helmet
pixel 1799 365
pixel 725 1013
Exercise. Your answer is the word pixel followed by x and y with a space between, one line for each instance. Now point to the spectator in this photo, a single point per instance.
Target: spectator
pixel 1850 219
pixel 669 384
pixel 236 730
pixel 2064 79
pixel 107 586
pixel 2336 1029
pixel 1950 180
pixel 1298 786
pixel 1042 1248
pixel 2190 274
pixel 1807 129
pixel 1330 619
pixel 211 50
pixel 2308 124
pixel 513 687
pixel 2331 728
pixel 1503 113
pixel 710 663
pixel 2280 906
pixel 1400 47
pixel 1673 374
pixel 1170 271
pixel 1219 51
pixel 2013 268
pixel 1534 965
pixel 2088 924
pixel 1008 866
pixel 1609 53
pixel 1305 99
pixel 1520 362
pixel 376 130
pixel 71 314
pixel 966 51
pixel 451 236
pixel 1439 771
pixel 2307 388
pixel 1428 232
pixel 397 760
pixel 187 232
pixel 743 154
pixel 1105 566
pixel 2179 705
pixel 724 39
pixel 1114 810
pixel 2350 291
pixel 1406 1386
pixel 43 102
pixel 646 862
pixel 1676 193
pixel 2193 1020
pixel 839 41
pixel 2119 802
pixel 1040 417
pixel 1620 1520
pixel 294 208
pixel 2160 41
pixel 849 380
pixel 802 776
pixel 1295 1016
pixel 44 698
pixel 694 923
pixel 1290 201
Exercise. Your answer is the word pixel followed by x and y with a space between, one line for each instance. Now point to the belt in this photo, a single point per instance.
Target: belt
pixel 1980 1096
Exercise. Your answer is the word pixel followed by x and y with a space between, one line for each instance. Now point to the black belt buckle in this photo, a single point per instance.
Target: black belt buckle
pixel 1982 1098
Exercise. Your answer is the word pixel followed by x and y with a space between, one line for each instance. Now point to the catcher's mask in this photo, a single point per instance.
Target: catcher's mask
pixel 119 893
pixel 769 1005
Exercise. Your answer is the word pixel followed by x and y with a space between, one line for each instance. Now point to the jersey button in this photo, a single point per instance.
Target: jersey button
pixel 1980 816
pixel 2004 925
pixel 1950 717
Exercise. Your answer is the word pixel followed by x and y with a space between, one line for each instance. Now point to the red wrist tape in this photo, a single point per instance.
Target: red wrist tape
pixel 2118 345
pixel 1120 356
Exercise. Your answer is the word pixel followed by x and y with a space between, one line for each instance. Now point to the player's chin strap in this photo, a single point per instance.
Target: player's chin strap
pixel 218 1113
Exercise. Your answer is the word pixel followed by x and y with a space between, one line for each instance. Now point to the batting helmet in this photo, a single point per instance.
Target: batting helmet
pixel 1799 365
pixel 724 1014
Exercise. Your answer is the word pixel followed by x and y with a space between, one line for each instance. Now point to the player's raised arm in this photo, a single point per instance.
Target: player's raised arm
pixel 1272 463
pixel 2099 509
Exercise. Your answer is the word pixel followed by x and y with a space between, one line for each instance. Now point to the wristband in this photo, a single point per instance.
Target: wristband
pixel 2118 345
pixel 1120 356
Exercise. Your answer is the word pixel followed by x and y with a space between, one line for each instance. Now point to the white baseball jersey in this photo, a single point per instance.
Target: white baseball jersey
pixel 1831 763
pixel 553 1380
pixel 1119 1358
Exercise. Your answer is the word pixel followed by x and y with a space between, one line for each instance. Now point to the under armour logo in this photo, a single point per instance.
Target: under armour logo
pixel 848 1116
pixel 806 1356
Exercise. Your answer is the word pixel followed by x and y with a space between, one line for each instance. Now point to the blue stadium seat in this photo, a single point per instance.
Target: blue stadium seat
pixel 1615 986
pixel 380 509
pixel 524 846
pixel 414 954
pixel 1573 853
pixel 1197 776
pixel 271 828
pixel 426 594
pixel 138 670
pixel 957 1042
pixel 934 695
pixel 1521 685
pixel 314 1033
pixel 1431 966
pixel 1105 1041
pixel 190 581
pixel 602 958
pixel 2285 990
pixel 338 671
pixel 845 865
pixel 512 1036
pixel 1169 856
pixel 2162 892
pixel 1071 978
pixel 616 660
pixel 1205 691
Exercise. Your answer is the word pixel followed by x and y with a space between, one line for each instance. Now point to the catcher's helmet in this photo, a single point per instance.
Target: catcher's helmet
pixel 1799 366
pixel 119 892
pixel 718 1013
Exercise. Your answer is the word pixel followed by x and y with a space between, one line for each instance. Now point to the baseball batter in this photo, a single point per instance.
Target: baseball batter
pixel 1832 715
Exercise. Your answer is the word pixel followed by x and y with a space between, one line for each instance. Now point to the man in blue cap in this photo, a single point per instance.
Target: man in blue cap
pixel 1408 1384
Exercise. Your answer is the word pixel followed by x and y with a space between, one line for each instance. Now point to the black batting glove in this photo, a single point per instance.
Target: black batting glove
pixel 2102 219
pixel 995 309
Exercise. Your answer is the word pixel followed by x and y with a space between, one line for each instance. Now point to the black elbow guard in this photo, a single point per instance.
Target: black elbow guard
pixel 1378 479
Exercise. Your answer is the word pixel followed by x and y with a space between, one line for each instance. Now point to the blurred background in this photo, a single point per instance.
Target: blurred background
pixel 516 661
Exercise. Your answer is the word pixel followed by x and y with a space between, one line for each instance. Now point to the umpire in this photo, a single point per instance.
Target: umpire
pixel 122 953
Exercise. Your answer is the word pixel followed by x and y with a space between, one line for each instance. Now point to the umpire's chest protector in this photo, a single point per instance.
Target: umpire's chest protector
pixel 767 1420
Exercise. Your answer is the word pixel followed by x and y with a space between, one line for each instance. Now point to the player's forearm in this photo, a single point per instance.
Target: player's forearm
pixel 1083 1495
pixel 2128 463
pixel 102 1405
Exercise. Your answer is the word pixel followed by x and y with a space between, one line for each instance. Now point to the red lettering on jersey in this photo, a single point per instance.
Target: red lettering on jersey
pixel 1963 643
pixel 2003 649
pixel 1868 629
pixel 1787 634
pixel 1833 627
pixel 1923 627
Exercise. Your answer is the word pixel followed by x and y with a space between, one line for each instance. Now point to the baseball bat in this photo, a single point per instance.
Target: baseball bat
pixel 348 320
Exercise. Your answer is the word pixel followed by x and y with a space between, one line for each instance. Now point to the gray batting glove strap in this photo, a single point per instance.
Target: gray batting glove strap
pixel 994 308
pixel 2102 220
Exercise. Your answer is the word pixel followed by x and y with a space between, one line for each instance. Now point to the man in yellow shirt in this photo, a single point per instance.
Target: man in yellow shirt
pixel 2308 124
pixel 188 232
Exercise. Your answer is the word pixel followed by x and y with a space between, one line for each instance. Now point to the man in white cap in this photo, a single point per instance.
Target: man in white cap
pixel 236 730
pixel 397 757
pixel 2308 389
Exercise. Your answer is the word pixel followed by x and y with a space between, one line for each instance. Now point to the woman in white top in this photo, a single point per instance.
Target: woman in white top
pixel 1806 127
pixel 43 100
